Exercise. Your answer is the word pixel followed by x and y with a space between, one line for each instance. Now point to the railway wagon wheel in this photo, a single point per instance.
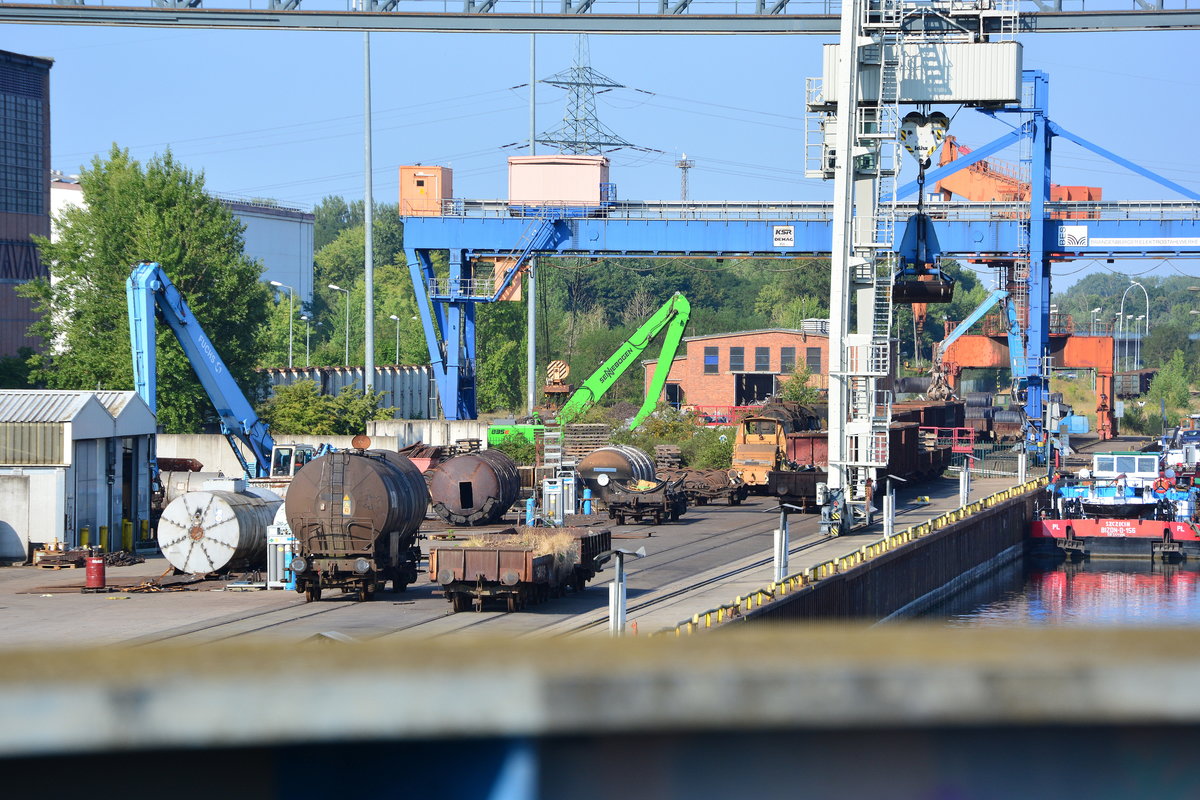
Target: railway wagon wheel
pixel 459 602
pixel 312 592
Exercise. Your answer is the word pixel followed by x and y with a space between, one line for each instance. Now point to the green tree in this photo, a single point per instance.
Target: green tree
pixel 300 409
pixel 162 213
pixel 796 389
pixel 1171 383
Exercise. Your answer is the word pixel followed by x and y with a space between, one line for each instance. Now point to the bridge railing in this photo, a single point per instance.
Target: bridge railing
pixel 959 211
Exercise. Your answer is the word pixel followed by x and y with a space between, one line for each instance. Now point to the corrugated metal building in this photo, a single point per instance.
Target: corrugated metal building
pixel 24 189
pixel 70 461
pixel 410 390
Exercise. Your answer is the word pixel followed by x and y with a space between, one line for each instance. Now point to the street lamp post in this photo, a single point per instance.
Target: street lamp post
pixel 1133 283
pixel 291 294
pixel 337 288
pixel 393 316
pixel 1095 311
pixel 1137 345
pixel 308 338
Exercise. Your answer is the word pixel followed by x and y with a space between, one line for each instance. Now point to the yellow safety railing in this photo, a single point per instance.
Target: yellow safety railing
pixel 834 566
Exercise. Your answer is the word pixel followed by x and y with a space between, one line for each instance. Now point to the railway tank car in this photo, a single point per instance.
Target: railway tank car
pixel 355 516
pixel 474 488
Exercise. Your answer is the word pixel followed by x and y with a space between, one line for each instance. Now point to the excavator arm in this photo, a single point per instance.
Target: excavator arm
pixel 673 318
pixel 149 288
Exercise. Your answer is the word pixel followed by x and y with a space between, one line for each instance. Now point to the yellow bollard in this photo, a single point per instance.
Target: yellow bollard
pixel 103 539
pixel 127 535
pixel 85 537
pixel 145 530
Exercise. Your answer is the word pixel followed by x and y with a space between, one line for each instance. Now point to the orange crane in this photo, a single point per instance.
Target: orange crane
pixel 998 181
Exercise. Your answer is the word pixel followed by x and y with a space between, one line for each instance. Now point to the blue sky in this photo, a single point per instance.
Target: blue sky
pixel 279 114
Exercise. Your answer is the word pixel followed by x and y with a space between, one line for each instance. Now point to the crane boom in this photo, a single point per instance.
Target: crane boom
pixel 148 289
pixel 673 316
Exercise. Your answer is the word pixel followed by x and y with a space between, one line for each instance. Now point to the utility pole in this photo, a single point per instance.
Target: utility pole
pixel 368 219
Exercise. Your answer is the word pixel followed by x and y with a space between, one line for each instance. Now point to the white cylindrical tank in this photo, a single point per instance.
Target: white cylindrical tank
pixel 212 530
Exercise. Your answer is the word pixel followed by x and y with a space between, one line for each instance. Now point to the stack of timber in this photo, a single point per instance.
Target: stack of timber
pixel 667 457
pixel 582 438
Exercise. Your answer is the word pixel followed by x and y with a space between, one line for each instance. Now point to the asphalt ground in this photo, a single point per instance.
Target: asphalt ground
pixel 708 557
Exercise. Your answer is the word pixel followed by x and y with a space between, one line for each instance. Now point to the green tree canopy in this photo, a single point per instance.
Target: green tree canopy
pixel 161 213
pixel 301 409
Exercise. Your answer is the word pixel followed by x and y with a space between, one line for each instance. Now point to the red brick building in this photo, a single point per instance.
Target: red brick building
pixel 734 369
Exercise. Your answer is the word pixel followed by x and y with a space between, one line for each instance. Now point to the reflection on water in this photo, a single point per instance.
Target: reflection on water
pixel 1098 592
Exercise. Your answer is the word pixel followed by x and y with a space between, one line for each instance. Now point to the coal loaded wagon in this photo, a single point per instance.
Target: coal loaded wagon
pixel 517 568
pixel 355 515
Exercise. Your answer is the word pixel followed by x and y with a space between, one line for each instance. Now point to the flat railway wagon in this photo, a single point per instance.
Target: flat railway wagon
pixel 355 515
pixel 659 502
pixel 908 458
pixel 516 574
pixel 704 486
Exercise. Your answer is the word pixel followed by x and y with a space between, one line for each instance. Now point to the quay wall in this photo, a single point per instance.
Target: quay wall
pixel 906 579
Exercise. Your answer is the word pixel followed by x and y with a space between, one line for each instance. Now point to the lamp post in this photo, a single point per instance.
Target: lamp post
pixel 1095 311
pixel 1133 283
pixel 393 316
pixel 307 336
pixel 291 294
pixel 337 288
pixel 1137 345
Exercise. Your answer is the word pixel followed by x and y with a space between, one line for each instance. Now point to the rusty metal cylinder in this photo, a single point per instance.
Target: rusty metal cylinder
pixel 215 529
pixel 474 488
pixel 619 462
pixel 343 503
pixel 94 577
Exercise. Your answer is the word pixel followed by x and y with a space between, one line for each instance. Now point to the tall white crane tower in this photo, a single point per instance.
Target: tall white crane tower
pixel 891 52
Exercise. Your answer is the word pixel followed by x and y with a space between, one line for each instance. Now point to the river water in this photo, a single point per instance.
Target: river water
pixel 1097 592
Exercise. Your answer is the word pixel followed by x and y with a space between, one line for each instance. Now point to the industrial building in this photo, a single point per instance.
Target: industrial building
pixel 411 391
pixel 74 466
pixel 278 237
pixel 745 367
pixel 24 194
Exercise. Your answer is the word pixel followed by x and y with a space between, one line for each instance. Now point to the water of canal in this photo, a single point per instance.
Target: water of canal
pixel 1096 592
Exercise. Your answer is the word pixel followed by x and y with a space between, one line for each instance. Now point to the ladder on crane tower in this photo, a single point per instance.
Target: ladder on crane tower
pixel 869 351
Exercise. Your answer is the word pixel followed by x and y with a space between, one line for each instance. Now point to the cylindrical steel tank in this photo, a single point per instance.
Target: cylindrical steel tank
pixel 474 488
pixel 619 462
pixel 213 530
pixel 341 503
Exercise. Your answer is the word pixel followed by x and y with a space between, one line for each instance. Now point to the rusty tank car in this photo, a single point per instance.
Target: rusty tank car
pixel 618 463
pixel 355 516
pixel 474 488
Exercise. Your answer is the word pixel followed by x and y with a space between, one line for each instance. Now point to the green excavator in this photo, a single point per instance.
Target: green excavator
pixel 672 317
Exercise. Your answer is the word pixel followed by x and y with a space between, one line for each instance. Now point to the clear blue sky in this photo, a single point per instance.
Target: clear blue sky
pixel 279 114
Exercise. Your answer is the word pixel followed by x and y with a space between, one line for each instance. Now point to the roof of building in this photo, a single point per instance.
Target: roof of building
pixel 57 405
pixel 758 332
pixel 41 405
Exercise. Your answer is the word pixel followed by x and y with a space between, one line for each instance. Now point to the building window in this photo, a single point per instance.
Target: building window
pixel 762 359
pixel 737 359
pixel 710 361
pixel 787 359
pixel 812 359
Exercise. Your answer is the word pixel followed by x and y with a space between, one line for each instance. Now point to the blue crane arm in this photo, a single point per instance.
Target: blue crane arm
pixel 149 288
pixel 992 299
pixel 673 316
